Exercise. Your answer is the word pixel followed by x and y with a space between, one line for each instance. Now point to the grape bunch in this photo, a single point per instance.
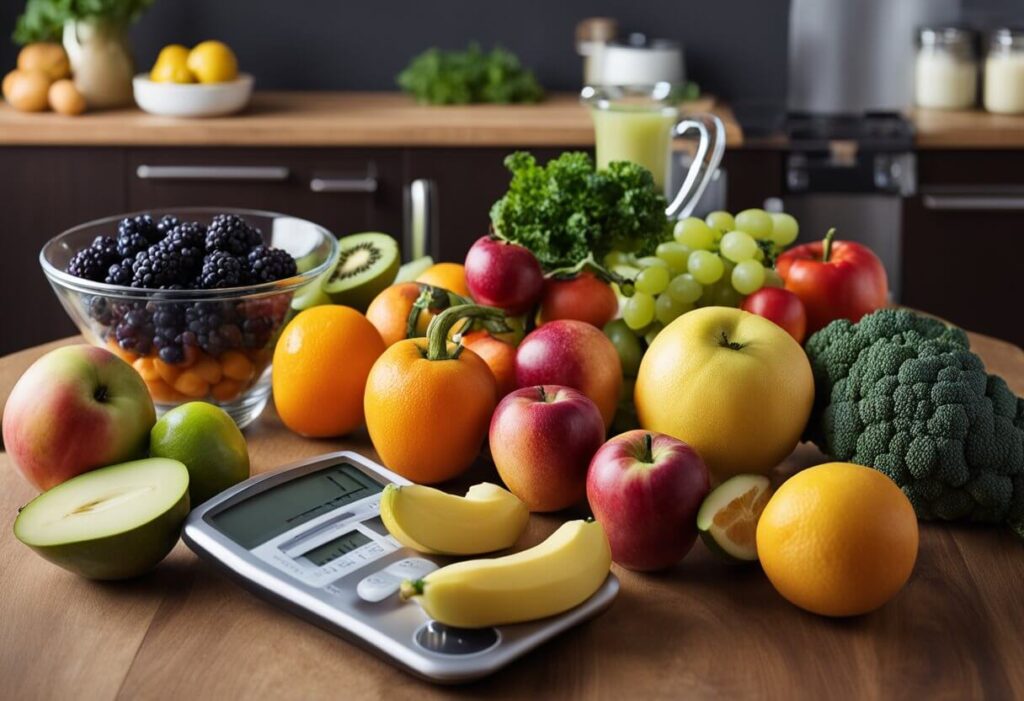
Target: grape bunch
pixel 716 261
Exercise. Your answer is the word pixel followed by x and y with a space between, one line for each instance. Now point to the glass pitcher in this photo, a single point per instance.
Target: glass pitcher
pixel 638 122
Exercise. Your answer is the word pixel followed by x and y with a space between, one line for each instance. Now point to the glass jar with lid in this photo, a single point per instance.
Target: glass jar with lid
pixel 1004 72
pixel 946 69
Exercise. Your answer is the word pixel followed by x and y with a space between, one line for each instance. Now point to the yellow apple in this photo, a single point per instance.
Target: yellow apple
pixel 733 385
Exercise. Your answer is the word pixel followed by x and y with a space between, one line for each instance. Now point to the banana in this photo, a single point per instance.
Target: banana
pixel 488 518
pixel 549 578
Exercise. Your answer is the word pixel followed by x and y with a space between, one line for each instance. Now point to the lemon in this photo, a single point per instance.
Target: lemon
pixel 172 66
pixel 213 62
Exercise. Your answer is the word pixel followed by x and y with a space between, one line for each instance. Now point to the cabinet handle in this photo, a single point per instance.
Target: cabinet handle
pixel 325 184
pixel 227 173
pixel 990 202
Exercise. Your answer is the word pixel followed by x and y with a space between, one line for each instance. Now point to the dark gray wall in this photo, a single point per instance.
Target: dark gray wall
pixel 734 48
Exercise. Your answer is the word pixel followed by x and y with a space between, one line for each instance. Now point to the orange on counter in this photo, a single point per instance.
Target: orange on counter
pixel 450 276
pixel 499 356
pixel 320 367
pixel 429 403
pixel 583 298
pixel 838 539
pixel 389 312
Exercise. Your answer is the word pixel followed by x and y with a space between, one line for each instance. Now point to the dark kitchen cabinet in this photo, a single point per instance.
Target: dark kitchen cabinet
pixel 346 190
pixel 45 191
pixel 963 246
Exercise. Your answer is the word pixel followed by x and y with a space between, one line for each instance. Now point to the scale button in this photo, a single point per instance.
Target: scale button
pixel 377 587
pixel 446 640
pixel 410 567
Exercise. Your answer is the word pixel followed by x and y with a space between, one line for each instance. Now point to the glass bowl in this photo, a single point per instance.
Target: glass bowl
pixel 210 345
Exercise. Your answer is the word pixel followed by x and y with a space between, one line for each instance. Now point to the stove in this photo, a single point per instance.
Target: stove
pixel 869 153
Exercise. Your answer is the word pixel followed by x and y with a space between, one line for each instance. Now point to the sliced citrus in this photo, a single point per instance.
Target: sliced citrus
pixel 727 519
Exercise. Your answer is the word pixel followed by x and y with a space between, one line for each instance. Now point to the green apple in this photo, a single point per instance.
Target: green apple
pixel 112 523
pixel 208 442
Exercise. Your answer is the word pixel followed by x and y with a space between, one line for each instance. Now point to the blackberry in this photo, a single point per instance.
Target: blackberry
pixel 232 234
pixel 100 310
pixel 158 267
pixel 107 245
pixel 220 269
pixel 269 264
pixel 120 273
pixel 89 264
pixel 186 242
pixel 168 328
pixel 212 326
pixel 142 224
pixel 130 243
pixel 166 223
pixel 134 332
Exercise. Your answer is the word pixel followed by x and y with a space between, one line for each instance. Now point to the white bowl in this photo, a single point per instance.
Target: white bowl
pixel 192 99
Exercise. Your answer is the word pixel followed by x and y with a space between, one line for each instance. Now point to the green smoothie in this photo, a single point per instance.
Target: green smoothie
pixel 638 134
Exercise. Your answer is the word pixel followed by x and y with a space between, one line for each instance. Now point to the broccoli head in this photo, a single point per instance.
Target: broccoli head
pixel 904 394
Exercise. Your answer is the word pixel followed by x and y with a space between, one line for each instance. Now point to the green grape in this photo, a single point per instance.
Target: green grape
pixel 651 261
pixel 617 258
pixel 727 296
pixel 675 254
pixel 626 344
pixel 748 277
pixel 626 271
pixel 738 246
pixel 653 332
pixel 756 222
pixel 784 228
pixel 772 278
pixel 759 255
pixel 653 280
pixel 639 311
pixel 684 289
pixel 720 221
pixel 705 266
pixel 693 232
pixel 666 309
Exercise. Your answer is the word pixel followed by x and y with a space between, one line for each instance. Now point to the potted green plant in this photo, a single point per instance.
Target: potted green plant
pixel 95 37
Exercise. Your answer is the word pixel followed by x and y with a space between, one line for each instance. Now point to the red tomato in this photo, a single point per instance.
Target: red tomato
pixel 781 306
pixel 834 280
pixel 583 298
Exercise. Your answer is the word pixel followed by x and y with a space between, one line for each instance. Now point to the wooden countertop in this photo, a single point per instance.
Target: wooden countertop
pixel 967 129
pixel 331 119
pixel 705 629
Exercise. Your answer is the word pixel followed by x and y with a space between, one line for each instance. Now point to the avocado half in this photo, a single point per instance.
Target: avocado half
pixel 112 523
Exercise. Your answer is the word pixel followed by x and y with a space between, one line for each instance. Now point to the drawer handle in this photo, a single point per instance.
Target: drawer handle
pixel 324 184
pixel 225 173
pixel 991 202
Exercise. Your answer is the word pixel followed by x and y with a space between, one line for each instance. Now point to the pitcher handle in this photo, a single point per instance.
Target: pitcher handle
pixel 710 150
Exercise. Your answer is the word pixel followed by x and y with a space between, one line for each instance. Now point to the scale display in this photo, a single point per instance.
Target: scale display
pixel 268 514
pixel 334 549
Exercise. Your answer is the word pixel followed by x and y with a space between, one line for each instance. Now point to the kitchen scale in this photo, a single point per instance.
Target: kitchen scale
pixel 309 537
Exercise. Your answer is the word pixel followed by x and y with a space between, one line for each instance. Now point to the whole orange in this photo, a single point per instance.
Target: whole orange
pixel 428 418
pixel 320 367
pixel 450 276
pixel 838 539
pixel 499 356
pixel 389 312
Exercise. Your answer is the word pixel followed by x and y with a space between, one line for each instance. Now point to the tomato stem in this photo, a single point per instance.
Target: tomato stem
pixel 827 248
pixel 441 325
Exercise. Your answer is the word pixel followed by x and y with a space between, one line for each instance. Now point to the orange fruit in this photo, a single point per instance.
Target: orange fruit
pixel 499 356
pixel 320 367
pixel 389 312
pixel 583 298
pixel 838 539
pixel 450 276
pixel 428 418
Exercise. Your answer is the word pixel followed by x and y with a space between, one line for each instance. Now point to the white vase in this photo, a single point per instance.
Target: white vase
pixel 101 61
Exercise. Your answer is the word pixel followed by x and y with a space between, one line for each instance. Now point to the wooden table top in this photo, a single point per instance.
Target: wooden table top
pixel 333 119
pixel 704 629
pixel 966 129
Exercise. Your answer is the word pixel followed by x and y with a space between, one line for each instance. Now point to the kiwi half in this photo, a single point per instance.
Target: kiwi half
pixel 367 263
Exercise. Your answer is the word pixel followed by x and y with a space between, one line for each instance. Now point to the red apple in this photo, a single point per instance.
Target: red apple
pixel 781 306
pixel 75 409
pixel 574 354
pixel 542 439
pixel 504 275
pixel 645 489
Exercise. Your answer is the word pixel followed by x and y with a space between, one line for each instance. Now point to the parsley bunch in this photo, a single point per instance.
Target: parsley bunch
pixel 439 77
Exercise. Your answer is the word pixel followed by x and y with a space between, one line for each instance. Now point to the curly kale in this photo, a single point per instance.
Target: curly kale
pixel 439 77
pixel 567 209
pixel 904 394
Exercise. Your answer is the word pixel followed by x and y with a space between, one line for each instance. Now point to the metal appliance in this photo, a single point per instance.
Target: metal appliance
pixel 851 75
